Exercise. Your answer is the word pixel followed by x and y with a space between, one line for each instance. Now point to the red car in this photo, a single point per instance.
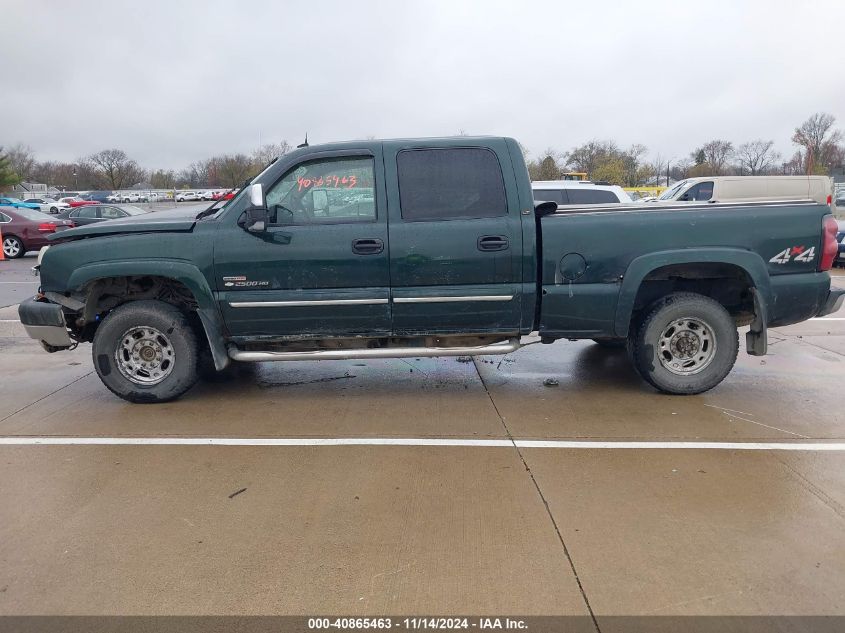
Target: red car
pixel 224 195
pixel 27 230
pixel 77 202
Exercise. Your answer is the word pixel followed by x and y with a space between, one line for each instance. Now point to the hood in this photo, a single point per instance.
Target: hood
pixel 174 220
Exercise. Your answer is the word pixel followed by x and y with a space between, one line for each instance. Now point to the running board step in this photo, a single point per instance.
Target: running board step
pixel 505 347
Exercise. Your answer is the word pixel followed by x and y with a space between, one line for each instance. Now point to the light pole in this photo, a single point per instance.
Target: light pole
pixel 76 180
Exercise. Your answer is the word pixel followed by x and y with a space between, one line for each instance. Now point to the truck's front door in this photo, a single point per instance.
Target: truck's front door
pixel 320 268
pixel 455 240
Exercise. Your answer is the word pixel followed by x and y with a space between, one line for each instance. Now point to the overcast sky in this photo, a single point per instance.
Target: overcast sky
pixel 173 82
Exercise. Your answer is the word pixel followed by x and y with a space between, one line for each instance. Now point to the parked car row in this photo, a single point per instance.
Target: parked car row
pixel 26 229
pixel 48 205
pixel 191 196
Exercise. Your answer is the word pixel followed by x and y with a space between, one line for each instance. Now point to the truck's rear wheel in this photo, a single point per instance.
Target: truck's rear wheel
pixel 686 344
pixel 146 351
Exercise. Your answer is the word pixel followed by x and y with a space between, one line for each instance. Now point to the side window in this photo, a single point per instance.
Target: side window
pixel 442 184
pixel 591 196
pixel 329 191
pixel 4 218
pixel 551 195
pixel 87 212
pixel 111 213
pixel 701 191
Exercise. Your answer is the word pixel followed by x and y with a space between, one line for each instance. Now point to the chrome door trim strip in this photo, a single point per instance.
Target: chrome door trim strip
pixel 450 299
pixel 315 302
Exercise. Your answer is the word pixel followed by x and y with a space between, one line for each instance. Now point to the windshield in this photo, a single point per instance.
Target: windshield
pixel 14 199
pixel 670 193
pixel 133 210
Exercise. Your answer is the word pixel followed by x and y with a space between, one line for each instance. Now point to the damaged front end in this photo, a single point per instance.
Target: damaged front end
pixel 45 322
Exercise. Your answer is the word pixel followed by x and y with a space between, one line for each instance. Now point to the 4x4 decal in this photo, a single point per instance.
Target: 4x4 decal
pixel 794 253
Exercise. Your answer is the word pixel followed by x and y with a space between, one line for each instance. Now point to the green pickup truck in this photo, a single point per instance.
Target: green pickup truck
pixel 425 247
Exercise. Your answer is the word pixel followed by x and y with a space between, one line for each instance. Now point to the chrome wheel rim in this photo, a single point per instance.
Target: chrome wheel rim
pixel 686 346
pixel 144 355
pixel 11 247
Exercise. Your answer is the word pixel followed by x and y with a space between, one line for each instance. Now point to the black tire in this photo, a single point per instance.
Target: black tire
pixel 54 210
pixel 13 247
pixel 718 341
pixel 611 343
pixel 181 350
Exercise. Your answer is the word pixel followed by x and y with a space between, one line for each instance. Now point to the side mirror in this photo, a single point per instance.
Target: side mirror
pixel 256 195
pixel 257 216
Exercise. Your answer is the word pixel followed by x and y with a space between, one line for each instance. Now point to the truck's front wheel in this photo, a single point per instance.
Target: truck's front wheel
pixel 146 351
pixel 686 344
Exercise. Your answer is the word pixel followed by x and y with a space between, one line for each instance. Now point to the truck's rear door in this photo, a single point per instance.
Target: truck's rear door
pixel 455 237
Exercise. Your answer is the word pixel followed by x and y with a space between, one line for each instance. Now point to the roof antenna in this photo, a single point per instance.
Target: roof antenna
pixel 305 144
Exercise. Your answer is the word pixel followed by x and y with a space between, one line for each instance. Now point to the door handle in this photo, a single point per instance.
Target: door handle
pixel 367 246
pixel 493 243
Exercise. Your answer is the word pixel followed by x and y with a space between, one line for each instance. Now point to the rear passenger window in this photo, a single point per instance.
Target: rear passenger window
pixel 591 196
pixel 442 184
pixel 551 195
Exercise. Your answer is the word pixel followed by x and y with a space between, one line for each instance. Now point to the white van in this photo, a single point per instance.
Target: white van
pixel 750 188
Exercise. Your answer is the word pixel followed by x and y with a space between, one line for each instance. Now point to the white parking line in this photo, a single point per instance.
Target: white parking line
pixel 413 441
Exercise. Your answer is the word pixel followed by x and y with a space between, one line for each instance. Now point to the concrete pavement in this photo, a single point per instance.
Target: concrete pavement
pixel 389 529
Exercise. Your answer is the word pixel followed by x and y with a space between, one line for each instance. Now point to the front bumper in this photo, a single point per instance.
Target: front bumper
pixel 45 322
pixel 833 303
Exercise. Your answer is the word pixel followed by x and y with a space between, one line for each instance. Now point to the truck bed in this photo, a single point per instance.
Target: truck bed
pixel 586 292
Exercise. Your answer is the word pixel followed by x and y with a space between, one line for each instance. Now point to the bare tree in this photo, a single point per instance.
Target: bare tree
pixel 631 160
pixel 22 160
pixel 820 142
pixel 233 169
pixel 657 168
pixel 757 157
pixel 163 179
pixel 264 154
pixel 585 158
pixel 716 154
pixel 680 168
pixel 115 169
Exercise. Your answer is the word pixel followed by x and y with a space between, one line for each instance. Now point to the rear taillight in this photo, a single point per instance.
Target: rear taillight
pixel 829 200
pixel 46 227
pixel 829 245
